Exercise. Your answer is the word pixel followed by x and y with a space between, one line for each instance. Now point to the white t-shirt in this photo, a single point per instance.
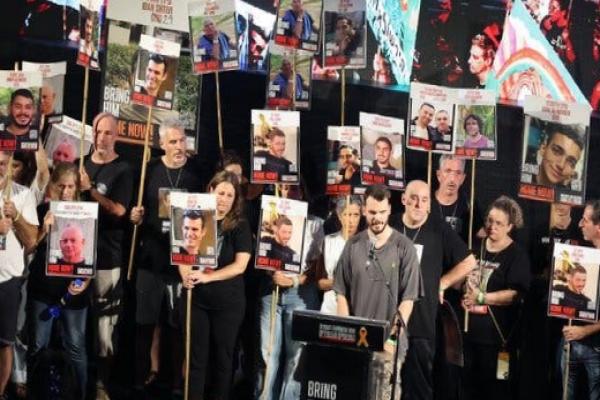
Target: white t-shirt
pixel 420 133
pixel 332 250
pixel 12 254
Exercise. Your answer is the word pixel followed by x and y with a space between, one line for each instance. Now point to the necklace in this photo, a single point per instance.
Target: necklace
pixel 416 234
pixel 168 172
pixel 453 211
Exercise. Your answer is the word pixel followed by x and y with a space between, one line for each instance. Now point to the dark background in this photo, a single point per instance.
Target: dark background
pixel 241 92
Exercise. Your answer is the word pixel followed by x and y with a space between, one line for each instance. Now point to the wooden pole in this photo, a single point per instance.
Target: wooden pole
pixel 219 119
pixel 274 301
pixel 565 394
pixel 472 202
pixel 188 327
pixel 429 167
pixel 86 84
pixel 343 105
pixel 293 79
pixel 145 157
pixel 471 207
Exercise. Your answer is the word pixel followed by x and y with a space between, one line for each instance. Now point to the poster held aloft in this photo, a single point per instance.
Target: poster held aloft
pixel 574 283
pixel 19 110
pixel 382 159
pixel 63 141
pixel 344 160
pixel 431 112
pixel 344 34
pixel 475 124
pixel 555 151
pixel 53 84
pixel 255 22
pixel 155 72
pixel 281 234
pixel 122 47
pixel 172 14
pixel 72 239
pixel 275 146
pixel 289 73
pixel 214 39
pixel 194 229
pixel 299 24
pixel 91 21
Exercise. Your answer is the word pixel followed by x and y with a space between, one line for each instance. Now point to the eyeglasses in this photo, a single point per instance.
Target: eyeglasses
pixel 492 222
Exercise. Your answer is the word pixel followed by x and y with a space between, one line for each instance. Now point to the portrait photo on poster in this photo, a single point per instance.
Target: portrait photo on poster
pixel 275 146
pixel 344 34
pixel 90 29
pixel 289 73
pixel 193 229
pixel 155 72
pixel 475 130
pixel 53 84
pixel 574 283
pixel 554 158
pixel 117 86
pixel 63 142
pixel 255 21
pixel 431 112
pixel 343 161
pixel 72 239
pixel 299 24
pixel 213 33
pixel 281 234
pixel 381 142
pixel 19 110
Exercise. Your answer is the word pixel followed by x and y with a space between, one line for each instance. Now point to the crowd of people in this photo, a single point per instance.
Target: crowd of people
pixel 361 262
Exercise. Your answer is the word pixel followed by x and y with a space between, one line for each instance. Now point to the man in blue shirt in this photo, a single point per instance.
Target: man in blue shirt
pixel 216 45
pixel 283 85
pixel 297 22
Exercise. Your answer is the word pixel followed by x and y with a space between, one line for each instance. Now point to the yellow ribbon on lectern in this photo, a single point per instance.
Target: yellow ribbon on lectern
pixel 362 337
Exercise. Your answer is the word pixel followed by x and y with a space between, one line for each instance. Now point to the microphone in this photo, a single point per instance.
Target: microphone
pixel 372 254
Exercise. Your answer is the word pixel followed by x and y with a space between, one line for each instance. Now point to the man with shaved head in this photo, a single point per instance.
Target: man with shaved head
pixel 64 152
pixel 444 261
pixel 71 245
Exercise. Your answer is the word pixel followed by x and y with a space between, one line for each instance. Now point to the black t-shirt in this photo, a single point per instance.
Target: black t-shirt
pixel 274 164
pixel 115 181
pixel 154 252
pixel 572 299
pixel 354 180
pixel 228 293
pixel 279 252
pixel 457 216
pixel 507 269
pixel 50 289
pixel 442 250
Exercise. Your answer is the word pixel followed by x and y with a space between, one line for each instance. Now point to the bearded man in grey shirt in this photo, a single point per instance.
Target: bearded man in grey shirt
pixel 378 274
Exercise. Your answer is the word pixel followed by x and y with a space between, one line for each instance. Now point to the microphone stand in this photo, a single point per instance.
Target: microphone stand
pixel 394 378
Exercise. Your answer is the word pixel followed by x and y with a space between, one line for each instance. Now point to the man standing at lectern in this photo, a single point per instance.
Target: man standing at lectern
pixel 379 260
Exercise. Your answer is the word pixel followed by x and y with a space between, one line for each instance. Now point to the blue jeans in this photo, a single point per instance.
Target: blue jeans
pixel 281 384
pixel 73 335
pixel 583 357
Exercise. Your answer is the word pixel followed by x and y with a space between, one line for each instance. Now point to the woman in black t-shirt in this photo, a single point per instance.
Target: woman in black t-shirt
pixel 49 296
pixel 493 292
pixel 218 300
